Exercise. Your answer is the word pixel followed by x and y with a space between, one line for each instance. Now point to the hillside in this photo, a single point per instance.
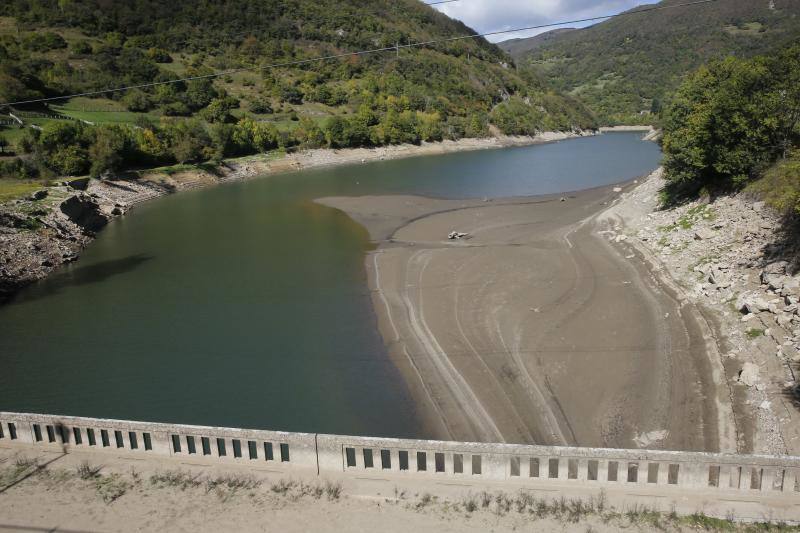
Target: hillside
pixel 58 47
pixel 627 66
pixel 520 47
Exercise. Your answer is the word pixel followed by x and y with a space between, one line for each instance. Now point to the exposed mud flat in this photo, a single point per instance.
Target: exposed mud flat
pixel 535 327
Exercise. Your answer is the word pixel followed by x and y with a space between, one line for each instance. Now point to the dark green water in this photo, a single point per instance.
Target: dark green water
pixel 246 305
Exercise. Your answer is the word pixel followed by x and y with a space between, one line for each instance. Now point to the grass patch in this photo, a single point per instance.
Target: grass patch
pixel 176 479
pixel 112 487
pixel 688 220
pixel 11 189
pixel 87 471
pixel 754 333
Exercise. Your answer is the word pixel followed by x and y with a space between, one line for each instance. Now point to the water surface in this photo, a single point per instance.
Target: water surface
pixel 246 305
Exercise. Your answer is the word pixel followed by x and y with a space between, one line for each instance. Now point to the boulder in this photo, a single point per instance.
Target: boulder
pixel 86 212
pixel 749 303
pixel 39 195
pixel 80 184
pixel 703 234
pixel 748 375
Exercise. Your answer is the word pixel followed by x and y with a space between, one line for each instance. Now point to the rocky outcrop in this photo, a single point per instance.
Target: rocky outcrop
pixel 52 226
pixel 87 212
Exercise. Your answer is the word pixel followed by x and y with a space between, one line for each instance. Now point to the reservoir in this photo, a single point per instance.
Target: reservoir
pixel 246 305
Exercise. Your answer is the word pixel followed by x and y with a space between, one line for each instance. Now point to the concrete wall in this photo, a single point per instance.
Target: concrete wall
pixel 636 470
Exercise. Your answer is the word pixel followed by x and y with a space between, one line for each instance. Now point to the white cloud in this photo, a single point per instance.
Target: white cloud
pixel 499 15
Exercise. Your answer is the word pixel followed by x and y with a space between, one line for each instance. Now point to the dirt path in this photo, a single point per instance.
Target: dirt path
pixel 535 328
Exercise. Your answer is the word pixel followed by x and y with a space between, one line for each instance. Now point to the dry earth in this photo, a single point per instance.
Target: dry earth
pixel 536 328
pixel 104 493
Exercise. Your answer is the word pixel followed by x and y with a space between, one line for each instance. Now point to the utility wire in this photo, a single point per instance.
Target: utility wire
pixel 396 48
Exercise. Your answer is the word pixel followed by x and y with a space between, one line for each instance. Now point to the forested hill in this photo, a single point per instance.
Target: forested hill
pixel 626 66
pixel 57 47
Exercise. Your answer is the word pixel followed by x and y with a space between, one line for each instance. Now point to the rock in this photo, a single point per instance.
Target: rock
pixel 748 303
pixel 703 234
pixel 778 267
pixel 86 212
pixel 80 184
pixel 765 405
pixel 748 375
pixel 617 189
pixel 758 206
pixel 620 238
pixel 39 195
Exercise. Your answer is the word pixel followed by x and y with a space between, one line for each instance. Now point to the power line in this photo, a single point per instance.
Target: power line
pixel 396 47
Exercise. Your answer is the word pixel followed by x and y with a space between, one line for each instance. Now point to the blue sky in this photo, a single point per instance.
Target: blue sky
pixel 493 15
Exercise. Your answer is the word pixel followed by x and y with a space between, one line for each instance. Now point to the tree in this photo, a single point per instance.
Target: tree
pixel 729 121
pixel 199 93
pixel 3 145
pixel 137 101
pixel 107 152
pixel 335 129
pixel 187 138
pixel 219 110
pixel 308 134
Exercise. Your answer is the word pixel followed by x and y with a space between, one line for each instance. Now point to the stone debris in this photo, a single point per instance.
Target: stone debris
pixel 456 235
pixel 749 374
pixel 730 259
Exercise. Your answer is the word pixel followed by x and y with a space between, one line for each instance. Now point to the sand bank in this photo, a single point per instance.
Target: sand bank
pixel 535 328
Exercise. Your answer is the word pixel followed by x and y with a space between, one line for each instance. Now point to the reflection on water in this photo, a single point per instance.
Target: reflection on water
pixel 76 275
pixel 246 305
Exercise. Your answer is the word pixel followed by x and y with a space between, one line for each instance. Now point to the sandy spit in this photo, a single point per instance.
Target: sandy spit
pixel 537 328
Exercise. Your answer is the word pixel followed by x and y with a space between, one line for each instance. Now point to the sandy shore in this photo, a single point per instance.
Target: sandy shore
pixel 536 328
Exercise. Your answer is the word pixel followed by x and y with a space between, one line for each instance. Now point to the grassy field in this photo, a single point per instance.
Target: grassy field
pixel 99 111
pixel 13 188
pixel 12 135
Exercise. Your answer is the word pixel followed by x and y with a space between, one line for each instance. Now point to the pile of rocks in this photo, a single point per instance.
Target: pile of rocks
pixel 730 258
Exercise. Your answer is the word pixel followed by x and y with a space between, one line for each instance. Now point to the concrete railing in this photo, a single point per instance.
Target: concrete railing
pixel 636 470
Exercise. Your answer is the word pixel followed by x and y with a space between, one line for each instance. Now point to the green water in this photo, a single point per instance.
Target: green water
pixel 246 305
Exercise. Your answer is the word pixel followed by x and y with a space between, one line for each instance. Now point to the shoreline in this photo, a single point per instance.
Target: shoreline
pixel 508 335
pixel 40 233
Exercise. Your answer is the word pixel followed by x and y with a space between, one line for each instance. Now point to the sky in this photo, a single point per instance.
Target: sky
pixel 493 15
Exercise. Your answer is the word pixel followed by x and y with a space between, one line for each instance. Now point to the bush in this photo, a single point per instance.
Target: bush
pixel 159 55
pixel 261 106
pixel 43 41
pixel 81 48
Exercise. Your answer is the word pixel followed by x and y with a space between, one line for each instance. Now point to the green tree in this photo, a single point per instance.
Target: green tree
pixel 729 121
pixel 308 134
pixel 137 101
pixel 219 110
pixel 187 139
pixel 108 150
